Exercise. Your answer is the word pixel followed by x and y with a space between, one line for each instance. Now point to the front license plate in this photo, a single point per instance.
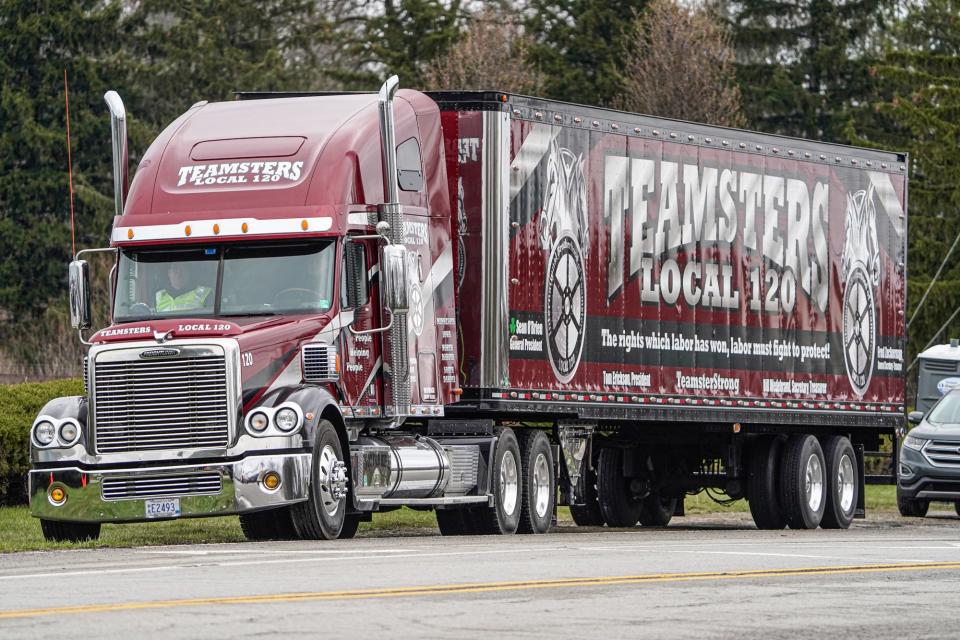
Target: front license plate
pixel 164 508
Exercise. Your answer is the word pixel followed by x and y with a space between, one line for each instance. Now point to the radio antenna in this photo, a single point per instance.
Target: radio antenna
pixel 73 233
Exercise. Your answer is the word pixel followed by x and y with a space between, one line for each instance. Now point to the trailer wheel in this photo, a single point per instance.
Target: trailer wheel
pixel 619 507
pixel 504 516
pixel 588 514
pixel 910 508
pixel 539 495
pixel 57 531
pixel 275 524
pixel 843 484
pixel 763 484
pixel 657 510
pixel 803 482
pixel 322 515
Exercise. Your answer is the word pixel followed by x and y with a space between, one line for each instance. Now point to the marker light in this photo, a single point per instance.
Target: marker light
pixel 244 227
pixel 259 421
pixel 216 229
pixel 286 419
pixel 44 432
pixel 271 480
pixel 187 230
pixel 303 225
pixel 129 234
pixel 58 495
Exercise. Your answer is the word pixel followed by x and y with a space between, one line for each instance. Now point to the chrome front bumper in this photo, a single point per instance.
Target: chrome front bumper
pixel 241 489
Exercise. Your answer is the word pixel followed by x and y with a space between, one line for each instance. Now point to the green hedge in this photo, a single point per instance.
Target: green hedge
pixel 19 405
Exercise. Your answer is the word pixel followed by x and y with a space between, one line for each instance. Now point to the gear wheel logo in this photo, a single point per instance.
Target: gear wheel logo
pixel 860 265
pixel 565 308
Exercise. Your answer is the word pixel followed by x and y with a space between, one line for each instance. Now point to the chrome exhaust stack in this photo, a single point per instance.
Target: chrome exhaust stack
pixel 118 137
pixel 392 213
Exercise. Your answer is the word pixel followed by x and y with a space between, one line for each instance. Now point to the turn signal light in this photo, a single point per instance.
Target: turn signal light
pixel 58 495
pixel 271 480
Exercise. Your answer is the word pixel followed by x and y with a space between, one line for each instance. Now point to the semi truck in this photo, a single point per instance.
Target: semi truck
pixel 483 304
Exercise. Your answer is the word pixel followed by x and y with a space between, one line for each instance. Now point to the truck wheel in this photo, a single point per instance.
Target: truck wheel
pixel 539 494
pixel 619 507
pixel 322 515
pixel 911 508
pixel 763 484
pixel 275 524
pixel 504 516
pixel 350 525
pixel 588 514
pixel 56 531
pixel 956 507
pixel 843 484
pixel 657 510
pixel 803 482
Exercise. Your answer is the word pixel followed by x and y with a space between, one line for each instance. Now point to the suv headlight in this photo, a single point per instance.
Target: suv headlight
pixel 914 443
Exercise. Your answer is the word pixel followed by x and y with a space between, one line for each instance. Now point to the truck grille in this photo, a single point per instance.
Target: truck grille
pixel 197 484
pixel 175 403
pixel 943 453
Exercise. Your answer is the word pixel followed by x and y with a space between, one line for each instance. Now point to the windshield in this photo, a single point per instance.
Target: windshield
pixel 224 281
pixel 947 411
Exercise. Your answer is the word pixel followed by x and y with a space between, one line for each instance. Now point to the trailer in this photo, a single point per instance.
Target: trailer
pixel 483 304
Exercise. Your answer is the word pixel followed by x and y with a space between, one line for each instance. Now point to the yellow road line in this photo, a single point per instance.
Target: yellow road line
pixel 479 587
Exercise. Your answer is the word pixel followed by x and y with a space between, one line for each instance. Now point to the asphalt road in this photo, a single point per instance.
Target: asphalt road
pixel 706 577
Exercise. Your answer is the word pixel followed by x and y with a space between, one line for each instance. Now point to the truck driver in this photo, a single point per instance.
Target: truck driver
pixel 180 296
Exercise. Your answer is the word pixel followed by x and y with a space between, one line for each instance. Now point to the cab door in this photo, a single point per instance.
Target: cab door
pixel 361 360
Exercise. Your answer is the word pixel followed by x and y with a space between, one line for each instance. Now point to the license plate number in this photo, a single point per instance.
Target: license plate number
pixel 164 508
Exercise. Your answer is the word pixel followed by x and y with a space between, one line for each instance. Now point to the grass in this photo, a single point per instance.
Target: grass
pixel 21 532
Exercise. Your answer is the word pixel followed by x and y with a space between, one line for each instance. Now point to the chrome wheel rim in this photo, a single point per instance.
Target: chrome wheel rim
pixel 813 483
pixel 327 463
pixel 541 484
pixel 845 483
pixel 508 483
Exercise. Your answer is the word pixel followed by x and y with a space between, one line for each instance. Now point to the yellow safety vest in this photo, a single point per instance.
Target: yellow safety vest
pixel 184 302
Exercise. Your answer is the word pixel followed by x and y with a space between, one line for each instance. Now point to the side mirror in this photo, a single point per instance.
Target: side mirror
pixel 393 265
pixel 80 294
pixel 915 417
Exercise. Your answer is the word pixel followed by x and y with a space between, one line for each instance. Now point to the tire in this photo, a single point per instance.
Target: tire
pixel 956 507
pixel 504 516
pixel 657 510
pixel 274 524
pixel 588 514
pixel 617 504
pixel 843 483
pixel 350 525
pixel 911 508
pixel 803 482
pixel 763 484
pixel 539 487
pixel 57 531
pixel 322 516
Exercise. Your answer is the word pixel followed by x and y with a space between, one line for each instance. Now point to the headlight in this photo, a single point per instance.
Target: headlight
pixel 44 432
pixel 259 421
pixel 916 444
pixel 286 419
pixel 69 432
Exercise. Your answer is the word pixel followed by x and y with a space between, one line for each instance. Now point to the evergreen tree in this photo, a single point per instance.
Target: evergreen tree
pixel 804 63
pixel 578 45
pixel 38 42
pixel 402 38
